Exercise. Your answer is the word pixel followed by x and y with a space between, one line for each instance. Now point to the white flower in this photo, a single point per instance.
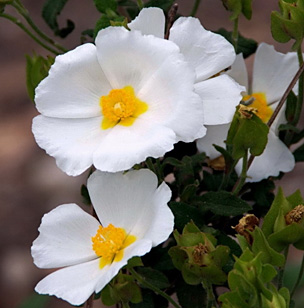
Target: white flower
pixel 207 53
pixel 114 104
pixel 134 217
pixel 272 73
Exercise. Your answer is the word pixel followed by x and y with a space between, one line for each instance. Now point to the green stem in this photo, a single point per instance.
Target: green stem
pixel 140 4
pixel 195 7
pixel 300 94
pixel 211 302
pixel 18 23
pixel 235 33
pixel 24 12
pixel 282 269
pixel 299 278
pixel 239 184
pixel 227 176
pixel 145 283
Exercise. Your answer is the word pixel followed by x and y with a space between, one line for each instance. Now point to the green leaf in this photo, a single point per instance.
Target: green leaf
pixel 261 245
pixel 222 203
pixel 156 278
pixel 109 296
pixel 35 301
pixel 51 9
pixel 280 203
pixel 184 213
pixel 245 46
pixel 37 68
pixel 133 262
pixel 247 134
pixel 246 8
pixel 190 296
pixel 85 195
pixel 104 5
pixel 291 104
pixel 277 28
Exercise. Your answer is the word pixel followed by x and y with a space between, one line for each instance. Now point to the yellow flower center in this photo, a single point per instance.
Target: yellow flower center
pixel 109 243
pixel 121 106
pixel 264 111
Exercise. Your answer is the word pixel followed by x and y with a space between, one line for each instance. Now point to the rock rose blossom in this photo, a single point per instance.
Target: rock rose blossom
pixel 133 217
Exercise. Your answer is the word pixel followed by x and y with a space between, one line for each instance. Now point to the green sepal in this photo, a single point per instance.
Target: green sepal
pixel 247 8
pixel 247 134
pixel 37 68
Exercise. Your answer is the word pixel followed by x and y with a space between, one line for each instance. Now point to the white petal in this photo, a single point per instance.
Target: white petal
pixel 161 223
pixel 138 248
pixel 220 96
pixel 125 146
pixel 133 202
pixel 149 21
pixel 174 104
pixel 238 71
pixel 276 158
pixel 65 237
pixel 207 52
pixel 130 58
pixel 273 71
pixel 74 85
pixel 216 134
pixel 70 141
pixel 74 284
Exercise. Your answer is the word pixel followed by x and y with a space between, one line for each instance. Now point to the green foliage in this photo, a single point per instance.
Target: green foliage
pixel 105 5
pixel 35 301
pixel 197 256
pixel 250 284
pixel 247 133
pixel 109 20
pixel 37 68
pixel 122 289
pixel 280 231
pixel 154 277
pixel 222 203
pixel 245 46
pixel 299 153
pixel 163 4
pixel 238 7
pixel 51 9
pixel 289 23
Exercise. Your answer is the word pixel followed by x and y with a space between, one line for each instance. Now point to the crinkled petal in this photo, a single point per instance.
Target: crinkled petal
pixel 220 96
pixel 74 284
pixel 273 71
pixel 125 146
pixel 238 71
pixel 208 53
pixel 74 85
pixel 71 141
pixel 138 248
pixel 174 104
pixel 130 58
pixel 149 21
pixel 276 158
pixel 65 237
pixel 216 134
pixel 142 207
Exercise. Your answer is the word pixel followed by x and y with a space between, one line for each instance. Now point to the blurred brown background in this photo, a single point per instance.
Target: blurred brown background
pixel 30 182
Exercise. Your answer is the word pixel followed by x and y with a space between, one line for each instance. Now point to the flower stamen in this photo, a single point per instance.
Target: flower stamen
pixel 121 106
pixel 109 243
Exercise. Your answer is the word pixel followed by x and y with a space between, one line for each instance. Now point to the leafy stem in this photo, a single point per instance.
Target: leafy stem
pixel 239 184
pixel 195 7
pixel 25 14
pixel 18 23
pixel 282 269
pixel 147 284
pixel 211 302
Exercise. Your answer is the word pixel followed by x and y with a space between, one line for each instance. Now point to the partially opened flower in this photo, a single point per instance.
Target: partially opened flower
pixel 133 217
pixel 114 104
pixel 272 73
pixel 207 53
